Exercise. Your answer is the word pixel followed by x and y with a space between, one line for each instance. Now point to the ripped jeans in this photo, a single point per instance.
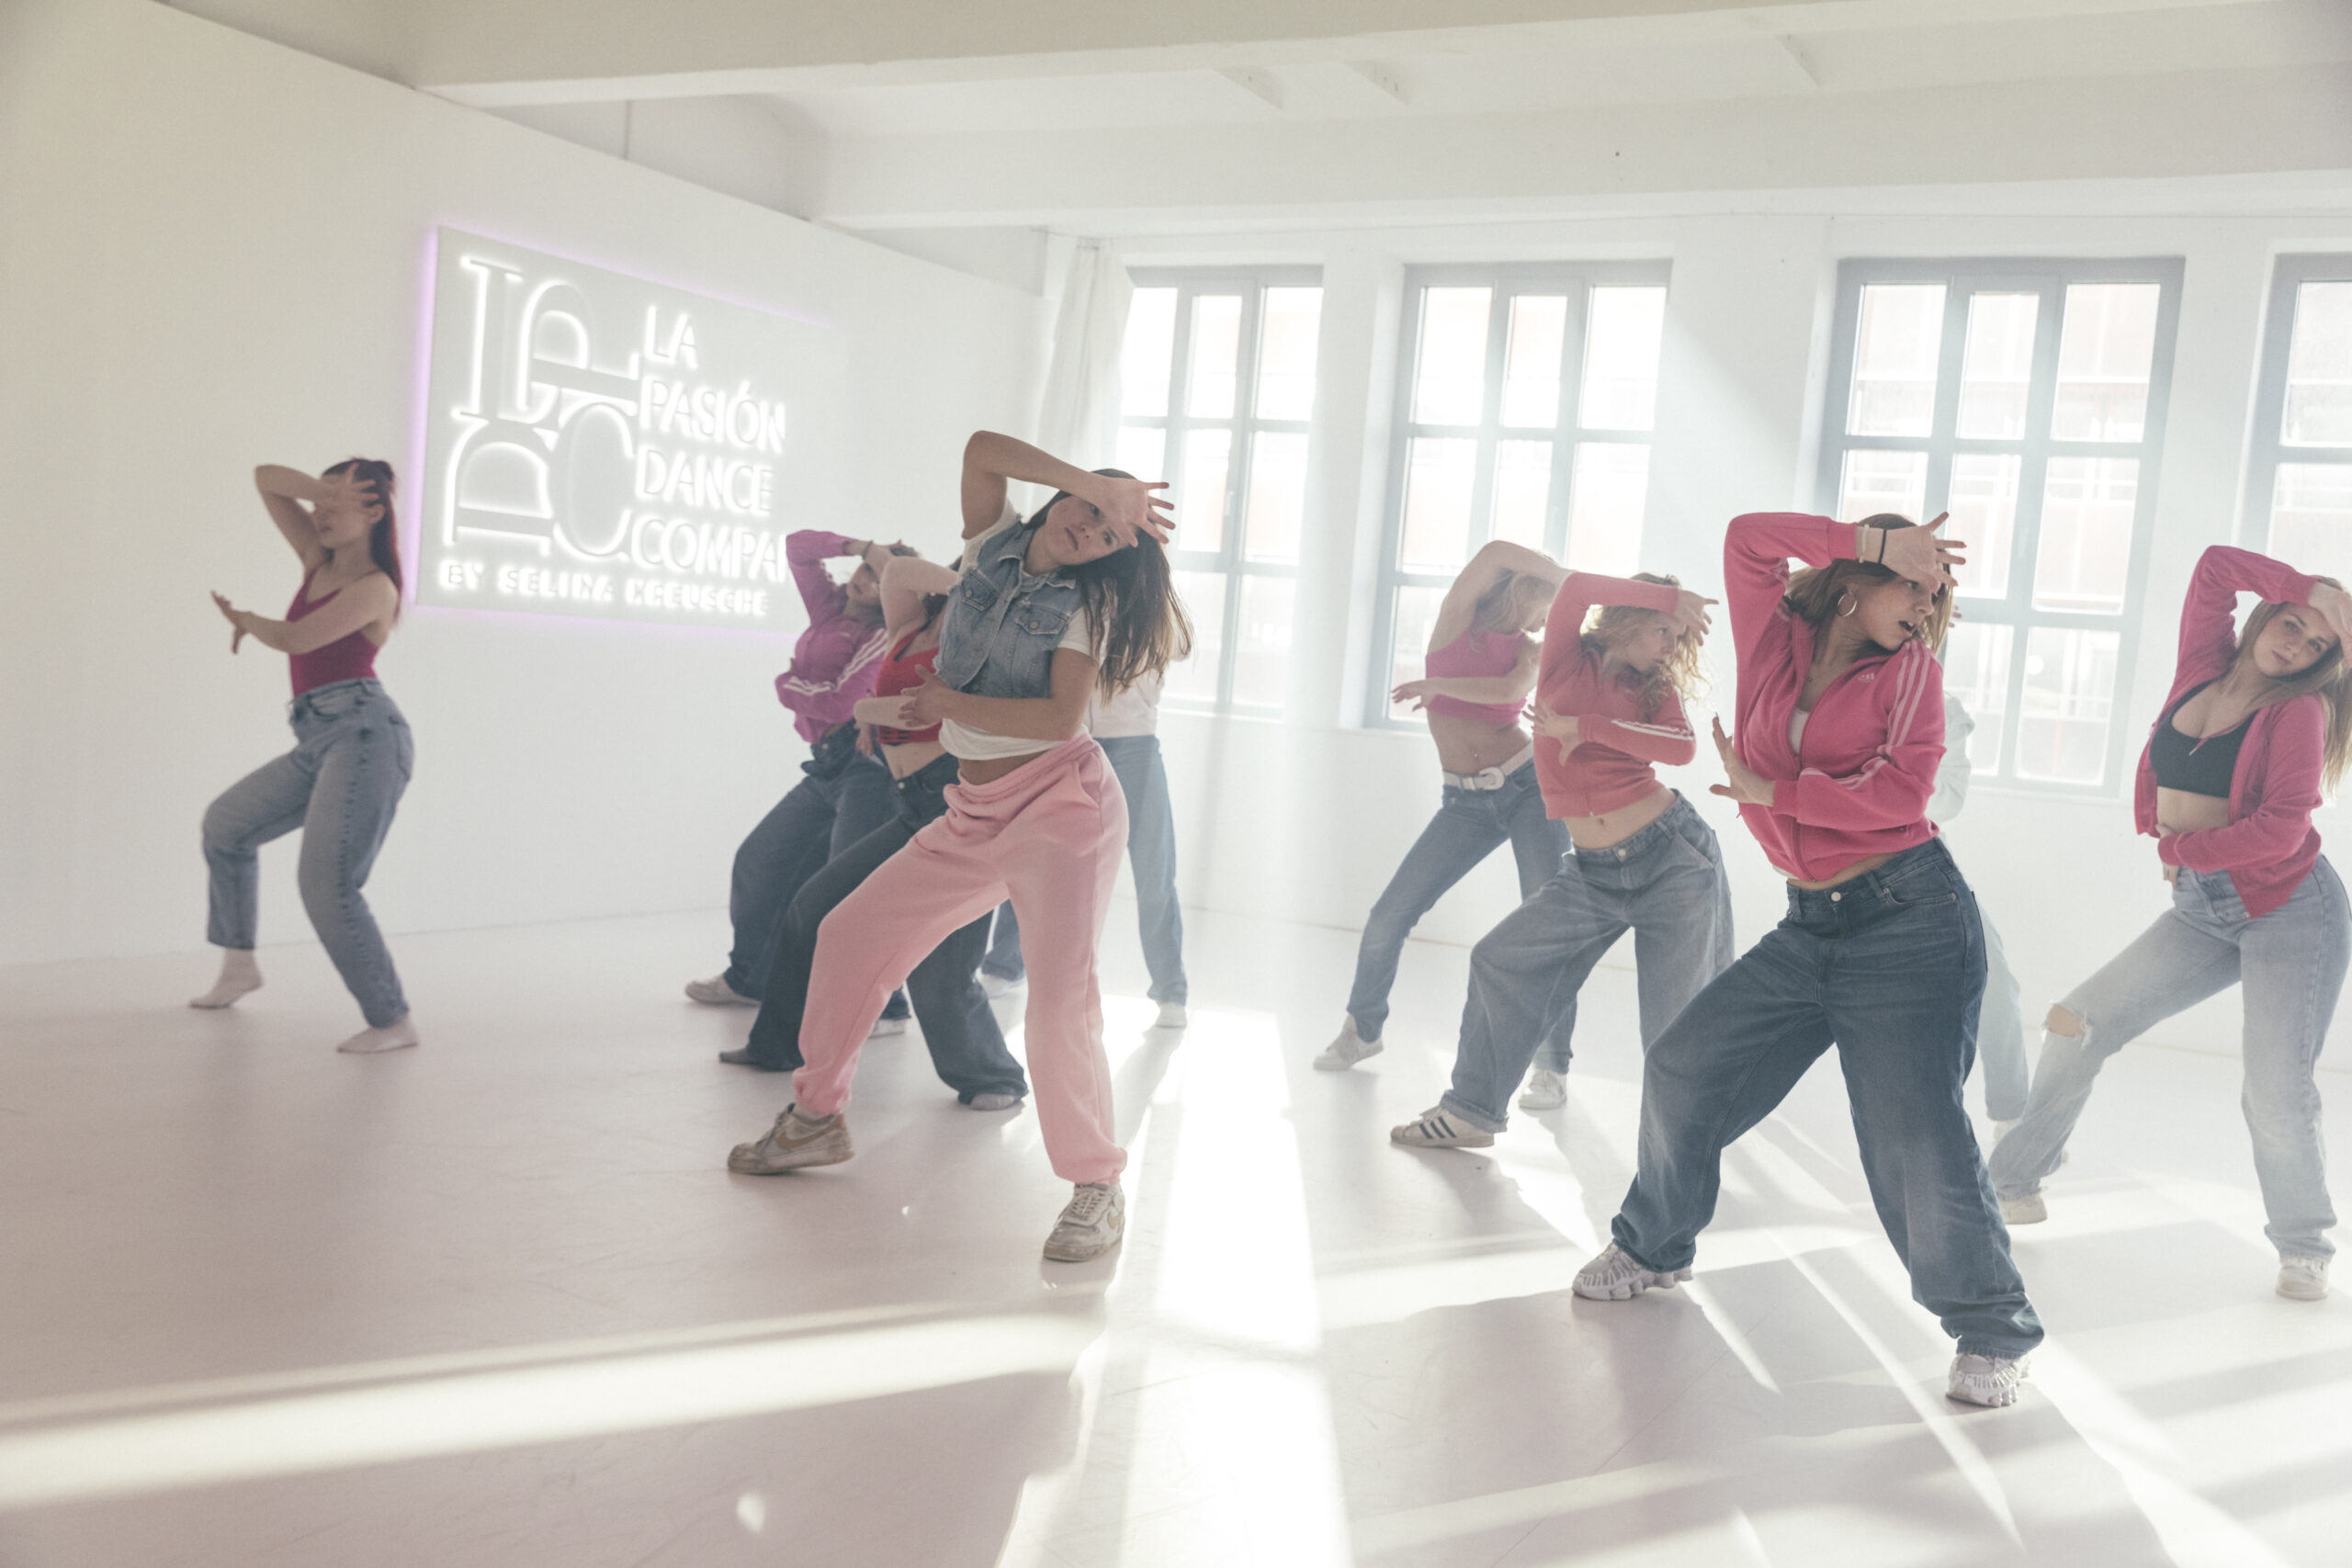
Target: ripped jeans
pixel 2292 963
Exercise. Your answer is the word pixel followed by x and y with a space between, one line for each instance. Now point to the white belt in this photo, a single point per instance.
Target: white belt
pixel 1494 777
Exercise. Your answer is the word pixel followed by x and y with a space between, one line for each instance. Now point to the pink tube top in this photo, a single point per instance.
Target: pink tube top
pixel 1474 653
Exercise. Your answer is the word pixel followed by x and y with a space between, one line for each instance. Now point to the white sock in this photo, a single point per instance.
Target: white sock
pixel 239 974
pixel 393 1036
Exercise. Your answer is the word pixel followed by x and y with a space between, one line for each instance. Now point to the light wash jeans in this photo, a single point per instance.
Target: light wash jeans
pixel 1665 884
pixel 2000 1034
pixel 351 762
pixel 2292 962
pixel 1151 855
pixel 1889 967
pixel 1470 825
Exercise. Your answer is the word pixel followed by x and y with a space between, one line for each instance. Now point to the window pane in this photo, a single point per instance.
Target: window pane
pixel 1147 356
pixel 2069 690
pixel 1450 373
pixel 1261 650
pixel 1216 344
pixel 2104 353
pixel 1143 451
pixel 1277 495
pixel 1607 491
pixel 2087 506
pixel 1977 670
pixel 1194 678
pixel 1439 476
pixel 1998 365
pixel 1621 347
pixel 1409 639
pixel 1532 365
pixel 1898 341
pixel 2311 518
pixel 1884 482
pixel 1985 516
pixel 1523 491
pixel 1200 493
pixel 2318 367
pixel 1287 353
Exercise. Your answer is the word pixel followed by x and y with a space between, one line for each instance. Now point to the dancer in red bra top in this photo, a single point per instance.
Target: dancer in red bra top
pixel 1480 667
pixel 353 753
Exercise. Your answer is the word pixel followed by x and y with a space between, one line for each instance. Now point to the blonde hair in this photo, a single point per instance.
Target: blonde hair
pixel 2329 678
pixel 1679 672
pixel 1814 594
pixel 1497 608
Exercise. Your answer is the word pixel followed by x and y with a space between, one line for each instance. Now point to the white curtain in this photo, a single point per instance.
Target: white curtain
pixel 1079 419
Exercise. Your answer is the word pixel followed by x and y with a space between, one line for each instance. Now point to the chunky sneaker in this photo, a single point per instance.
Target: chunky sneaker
pixel 1437 1130
pixel 1090 1225
pixel 1347 1049
pixel 887 1026
pixel 1172 1015
pixel 994 985
pixel 2304 1279
pixel 1545 1090
pixel 1615 1277
pixel 1984 1379
pixel 793 1142
pixel 2029 1209
pixel 993 1102
pixel 716 992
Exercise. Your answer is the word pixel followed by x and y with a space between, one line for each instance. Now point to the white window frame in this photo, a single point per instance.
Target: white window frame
pixel 2267 449
pixel 2049 278
pixel 1574 280
pixel 1231 560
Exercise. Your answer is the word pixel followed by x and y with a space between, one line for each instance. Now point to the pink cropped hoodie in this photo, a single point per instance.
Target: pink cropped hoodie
pixel 1612 766
pixel 2270 843
pixel 1876 735
pixel 837 658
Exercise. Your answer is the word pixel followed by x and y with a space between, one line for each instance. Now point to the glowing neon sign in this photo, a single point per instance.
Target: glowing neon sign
pixel 604 447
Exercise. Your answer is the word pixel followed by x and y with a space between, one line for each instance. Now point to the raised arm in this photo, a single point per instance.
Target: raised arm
pixel 807 550
pixel 1493 561
pixel 907 581
pixel 288 494
pixel 1579 593
pixel 2209 635
pixel 990 461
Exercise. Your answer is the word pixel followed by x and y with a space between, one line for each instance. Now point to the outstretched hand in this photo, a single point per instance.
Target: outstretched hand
pixel 1568 728
pixel 1923 554
pixel 1130 507
pixel 236 617
pixel 1689 615
pixel 1746 785
pixel 1417 692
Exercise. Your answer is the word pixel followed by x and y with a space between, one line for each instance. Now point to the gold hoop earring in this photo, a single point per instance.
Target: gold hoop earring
pixel 1847 605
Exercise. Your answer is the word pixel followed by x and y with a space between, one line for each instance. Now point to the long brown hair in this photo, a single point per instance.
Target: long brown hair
pixel 1136 620
pixel 1814 594
pixel 1679 672
pixel 2329 677
pixel 374 476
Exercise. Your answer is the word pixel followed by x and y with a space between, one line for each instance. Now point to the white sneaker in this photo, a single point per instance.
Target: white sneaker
pixel 2304 1279
pixel 995 986
pixel 993 1102
pixel 1545 1090
pixel 1615 1277
pixel 2029 1209
pixel 1990 1380
pixel 1090 1225
pixel 796 1140
pixel 1437 1130
pixel 370 1042
pixel 716 992
pixel 1173 1015
pixel 1347 1049
pixel 885 1027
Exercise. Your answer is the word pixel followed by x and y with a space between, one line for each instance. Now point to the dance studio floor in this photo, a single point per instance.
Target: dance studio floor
pixel 497 1302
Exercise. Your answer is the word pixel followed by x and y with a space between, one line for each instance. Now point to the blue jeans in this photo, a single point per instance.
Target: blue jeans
pixel 1665 884
pixel 2000 1034
pixel 1470 825
pixel 2292 962
pixel 1889 967
pixel 341 784
pixel 1151 854
pixel 844 797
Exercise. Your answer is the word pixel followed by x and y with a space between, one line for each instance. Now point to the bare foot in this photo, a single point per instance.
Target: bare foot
pixel 396 1036
pixel 239 974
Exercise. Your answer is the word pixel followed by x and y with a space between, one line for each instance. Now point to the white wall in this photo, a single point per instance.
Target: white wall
pixel 213 255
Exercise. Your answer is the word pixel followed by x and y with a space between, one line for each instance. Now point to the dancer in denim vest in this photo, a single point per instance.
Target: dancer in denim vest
pixel 1609 708
pixel 2257 724
pixel 1840 713
pixel 1076 599
pixel 1479 669
pixel 847 792
pixel 353 753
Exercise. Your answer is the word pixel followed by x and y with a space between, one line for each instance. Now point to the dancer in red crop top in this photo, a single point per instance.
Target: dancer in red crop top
pixel 1840 713
pixel 1480 667
pixel 352 752
pixel 1609 707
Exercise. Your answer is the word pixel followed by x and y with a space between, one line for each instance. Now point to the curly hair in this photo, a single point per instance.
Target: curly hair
pixel 1680 670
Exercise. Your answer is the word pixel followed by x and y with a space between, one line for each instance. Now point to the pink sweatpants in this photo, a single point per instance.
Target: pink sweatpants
pixel 1049 835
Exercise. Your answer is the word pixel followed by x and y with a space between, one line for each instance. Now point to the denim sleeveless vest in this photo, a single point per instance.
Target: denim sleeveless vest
pixel 1002 626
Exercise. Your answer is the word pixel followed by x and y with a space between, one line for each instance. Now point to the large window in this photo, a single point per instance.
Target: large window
pixel 2026 399
pixel 1219 378
pixel 2299 475
pixel 1525 398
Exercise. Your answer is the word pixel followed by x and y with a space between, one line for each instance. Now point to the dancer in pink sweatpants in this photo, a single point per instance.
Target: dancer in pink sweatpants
pixel 1076 599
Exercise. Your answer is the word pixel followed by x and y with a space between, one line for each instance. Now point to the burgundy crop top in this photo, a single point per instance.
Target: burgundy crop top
pixel 349 658
pixel 900 672
pixel 1474 653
